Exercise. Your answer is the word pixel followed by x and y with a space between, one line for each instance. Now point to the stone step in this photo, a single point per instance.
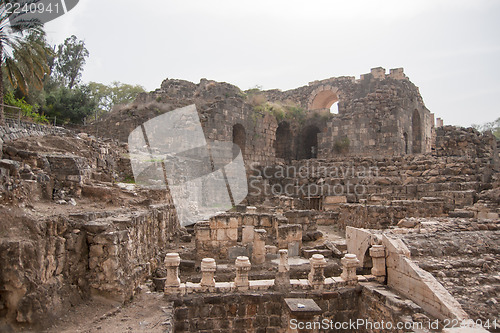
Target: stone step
pixel 461 213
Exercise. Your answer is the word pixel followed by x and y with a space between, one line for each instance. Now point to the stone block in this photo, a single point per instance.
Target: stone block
pixel 309 253
pixel 203 235
pixel 96 250
pixel 247 234
pixel 271 249
pixel 265 221
pixel 222 222
pixel 74 178
pixel 238 251
pixel 294 249
pixel 335 199
pixel 233 223
pixel 232 234
pixel 221 235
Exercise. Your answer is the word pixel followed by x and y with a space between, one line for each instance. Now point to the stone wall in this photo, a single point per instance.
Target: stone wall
pixel 54 263
pixel 268 312
pixel 121 248
pixel 379 303
pixel 256 312
pixel 43 268
pixel 229 313
pixel 13 130
pixel 455 179
pixel 378 114
pixel 466 142
pixel 62 164
pixel 227 235
pixel 224 114
pixel 405 276
pixel 385 216
pixel 463 255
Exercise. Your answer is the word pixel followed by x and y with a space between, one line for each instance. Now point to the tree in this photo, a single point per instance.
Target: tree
pixel 493 126
pixel 69 105
pixel 12 43
pixel 70 59
pixel 114 94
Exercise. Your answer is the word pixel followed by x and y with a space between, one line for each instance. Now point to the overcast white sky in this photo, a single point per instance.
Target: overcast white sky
pixel 450 49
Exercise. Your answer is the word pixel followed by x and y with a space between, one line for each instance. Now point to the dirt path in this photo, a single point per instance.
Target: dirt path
pixel 147 312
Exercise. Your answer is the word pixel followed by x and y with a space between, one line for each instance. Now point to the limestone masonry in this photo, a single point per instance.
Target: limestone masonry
pixel 370 214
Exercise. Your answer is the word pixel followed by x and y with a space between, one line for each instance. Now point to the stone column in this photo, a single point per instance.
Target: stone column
pixel 282 280
pixel 317 275
pixel 172 262
pixel 349 264
pixel 259 246
pixel 377 252
pixel 242 268
pixel 208 268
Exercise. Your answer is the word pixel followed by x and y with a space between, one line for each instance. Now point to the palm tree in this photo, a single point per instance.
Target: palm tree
pixel 20 56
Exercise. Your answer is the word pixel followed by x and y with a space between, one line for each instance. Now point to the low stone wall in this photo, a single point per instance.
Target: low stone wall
pixel 43 268
pixel 216 236
pixel 233 312
pixel 229 235
pixel 456 178
pixel 225 231
pixel 384 216
pixel 381 304
pixel 55 263
pixel 405 276
pixel 121 248
pixel 257 312
pixel 13 130
pixel 290 238
pixel 268 312
pixel 302 217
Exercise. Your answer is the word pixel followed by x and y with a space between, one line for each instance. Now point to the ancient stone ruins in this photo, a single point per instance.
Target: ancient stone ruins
pixel 375 218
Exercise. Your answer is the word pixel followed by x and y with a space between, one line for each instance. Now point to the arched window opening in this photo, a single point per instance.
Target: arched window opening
pixel 324 100
pixel 310 142
pixel 367 263
pixel 405 136
pixel 283 141
pixel 239 138
pixel 334 109
pixel 417 132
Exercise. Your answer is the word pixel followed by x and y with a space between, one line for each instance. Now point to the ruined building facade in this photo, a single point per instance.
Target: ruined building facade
pixel 378 114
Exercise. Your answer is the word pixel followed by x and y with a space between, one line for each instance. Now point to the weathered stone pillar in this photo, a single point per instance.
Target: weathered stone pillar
pixel 208 268
pixel 282 280
pixel 242 268
pixel 349 264
pixel 377 252
pixel 259 246
pixel 317 275
pixel 172 262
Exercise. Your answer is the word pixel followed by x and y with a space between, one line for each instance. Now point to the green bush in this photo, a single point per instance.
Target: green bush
pixel 27 110
pixel 281 112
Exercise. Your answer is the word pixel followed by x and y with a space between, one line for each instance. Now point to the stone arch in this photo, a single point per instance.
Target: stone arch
pixel 283 141
pixel 367 262
pixel 310 141
pixel 239 137
pixel 323 97
pixel 416 124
